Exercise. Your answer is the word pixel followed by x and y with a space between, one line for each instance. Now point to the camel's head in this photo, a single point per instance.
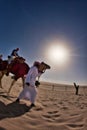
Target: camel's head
pixel 43 66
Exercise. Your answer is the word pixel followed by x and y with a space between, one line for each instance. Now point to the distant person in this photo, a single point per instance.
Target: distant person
pixel 30 90
pixel 77 88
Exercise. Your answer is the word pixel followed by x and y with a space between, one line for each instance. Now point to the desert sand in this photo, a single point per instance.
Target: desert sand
pixel 57 108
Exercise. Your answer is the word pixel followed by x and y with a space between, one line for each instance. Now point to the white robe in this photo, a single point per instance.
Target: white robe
pixel 30 92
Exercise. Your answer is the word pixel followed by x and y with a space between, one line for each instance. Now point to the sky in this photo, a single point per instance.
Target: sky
pixel 39 26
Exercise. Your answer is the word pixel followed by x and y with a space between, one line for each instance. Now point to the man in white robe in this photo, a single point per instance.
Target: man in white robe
pixel 30 91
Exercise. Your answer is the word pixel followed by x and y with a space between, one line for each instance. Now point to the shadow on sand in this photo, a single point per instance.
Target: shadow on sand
pixel 13 109
pixel 1 128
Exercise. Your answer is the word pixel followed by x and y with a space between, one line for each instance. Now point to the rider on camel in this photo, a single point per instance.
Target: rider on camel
pixel 15 53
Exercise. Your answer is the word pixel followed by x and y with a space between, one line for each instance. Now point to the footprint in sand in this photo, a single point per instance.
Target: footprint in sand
pixel 51 115
pixel 39 107
pixel 78 121
pixel 64 108
pixel 75 126
pixel 75 114
pixel 52 112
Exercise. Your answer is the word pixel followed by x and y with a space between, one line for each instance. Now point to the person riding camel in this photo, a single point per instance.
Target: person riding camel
pixel 15 53
pixel 11 58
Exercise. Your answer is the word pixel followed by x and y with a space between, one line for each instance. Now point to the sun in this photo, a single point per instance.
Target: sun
pixel 58 54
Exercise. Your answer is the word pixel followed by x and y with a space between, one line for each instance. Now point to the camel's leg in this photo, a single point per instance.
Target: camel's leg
pixel 1 76
pixel 23 81
pixel 0 82
pixel 11 86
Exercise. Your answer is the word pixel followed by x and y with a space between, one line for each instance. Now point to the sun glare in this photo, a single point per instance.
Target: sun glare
pixel 58 54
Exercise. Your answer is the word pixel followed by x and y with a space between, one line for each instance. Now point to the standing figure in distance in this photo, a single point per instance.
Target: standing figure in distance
pixel 77 88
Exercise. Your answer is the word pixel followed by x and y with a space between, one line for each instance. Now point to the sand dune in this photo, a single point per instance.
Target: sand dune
pixel 56 109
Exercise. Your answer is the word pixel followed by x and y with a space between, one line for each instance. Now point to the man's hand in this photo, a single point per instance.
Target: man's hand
pixel 27 84
pixel 37 83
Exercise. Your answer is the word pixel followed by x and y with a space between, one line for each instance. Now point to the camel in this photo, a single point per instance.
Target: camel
pixel 18 67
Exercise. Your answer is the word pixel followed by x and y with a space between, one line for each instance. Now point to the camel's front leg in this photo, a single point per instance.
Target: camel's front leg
pixel 23 81
pixel 1 76
pixel 11 85
pixel 0 83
